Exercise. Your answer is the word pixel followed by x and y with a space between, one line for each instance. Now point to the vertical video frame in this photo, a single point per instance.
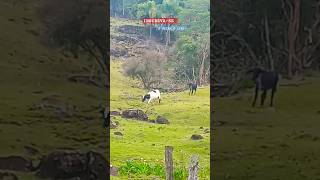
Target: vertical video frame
pixel 53 75
pixel 265 59
pixel 159 89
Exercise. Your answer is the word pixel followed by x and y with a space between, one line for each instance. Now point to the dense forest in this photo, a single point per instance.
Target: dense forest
pixel 185 54
pixel 281 35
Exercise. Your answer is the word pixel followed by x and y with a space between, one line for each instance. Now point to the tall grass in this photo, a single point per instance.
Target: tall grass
pixel 143 168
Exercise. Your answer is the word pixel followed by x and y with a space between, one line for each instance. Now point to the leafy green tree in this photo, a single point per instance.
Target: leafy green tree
pixel 147 10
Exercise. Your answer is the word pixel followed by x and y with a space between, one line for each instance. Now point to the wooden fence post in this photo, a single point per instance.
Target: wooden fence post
pixel 193 168
pixel 169 162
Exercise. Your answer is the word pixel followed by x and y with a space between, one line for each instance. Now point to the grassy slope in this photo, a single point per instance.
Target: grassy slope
pixel 266 144
pixel 186 114
pixel 32 67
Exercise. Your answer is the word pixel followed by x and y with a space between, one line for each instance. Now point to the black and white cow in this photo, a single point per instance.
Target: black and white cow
pixel 154 94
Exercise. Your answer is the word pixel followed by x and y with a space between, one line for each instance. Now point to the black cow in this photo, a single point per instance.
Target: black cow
pixel 264 81
pixel 193 88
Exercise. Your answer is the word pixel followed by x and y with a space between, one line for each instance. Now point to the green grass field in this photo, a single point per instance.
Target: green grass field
pixel 269 143
pixel 31 73
pixel 145 140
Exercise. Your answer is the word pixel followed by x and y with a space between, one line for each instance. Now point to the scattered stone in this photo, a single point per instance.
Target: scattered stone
pixel 152 121
pixel 118 133
pixel 220 123
pixel 196 137
pixel 8 176
pixel 206 131
pixel 115 113
pixel 162 120
pixel 15 163
pixel 114 171
pixel 113 125
pixel 135 114
pixel 63 165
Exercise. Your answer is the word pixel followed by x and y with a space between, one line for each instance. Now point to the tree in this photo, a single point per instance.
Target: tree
pixel 77 25
pixel 147 9
pixel 149 69
pixel 169 8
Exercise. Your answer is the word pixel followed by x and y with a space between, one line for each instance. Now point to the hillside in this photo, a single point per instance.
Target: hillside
pixel 187 114
pixel 40 110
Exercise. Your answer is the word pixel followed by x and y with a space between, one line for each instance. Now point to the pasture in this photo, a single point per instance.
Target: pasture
pixel 31 75
pixel 269 143
pixel 146 141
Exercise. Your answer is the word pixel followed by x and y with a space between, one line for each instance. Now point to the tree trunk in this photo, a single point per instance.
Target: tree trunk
pixel 169 40
pixel 167 37
pixel 293 29
pixel 150 31
pixel 201 68
pixel 267 33
pixel 122 7
pixel 193 76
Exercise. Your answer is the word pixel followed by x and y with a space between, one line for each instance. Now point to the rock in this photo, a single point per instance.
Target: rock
pixel 15 163
pixel 134 114
pixel 115 113
pixel 97 166
pixel 196 137
pixel 8 176
pixel 114 171
pixel 219 123
pixel 113 125
pixel 206 131
pixel 162 120
pixel 118 133
pixel 152 121
pixel 63 165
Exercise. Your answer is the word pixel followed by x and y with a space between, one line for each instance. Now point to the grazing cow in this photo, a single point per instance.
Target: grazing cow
pixel 193 88
pixel 264 81
pixel 152 95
